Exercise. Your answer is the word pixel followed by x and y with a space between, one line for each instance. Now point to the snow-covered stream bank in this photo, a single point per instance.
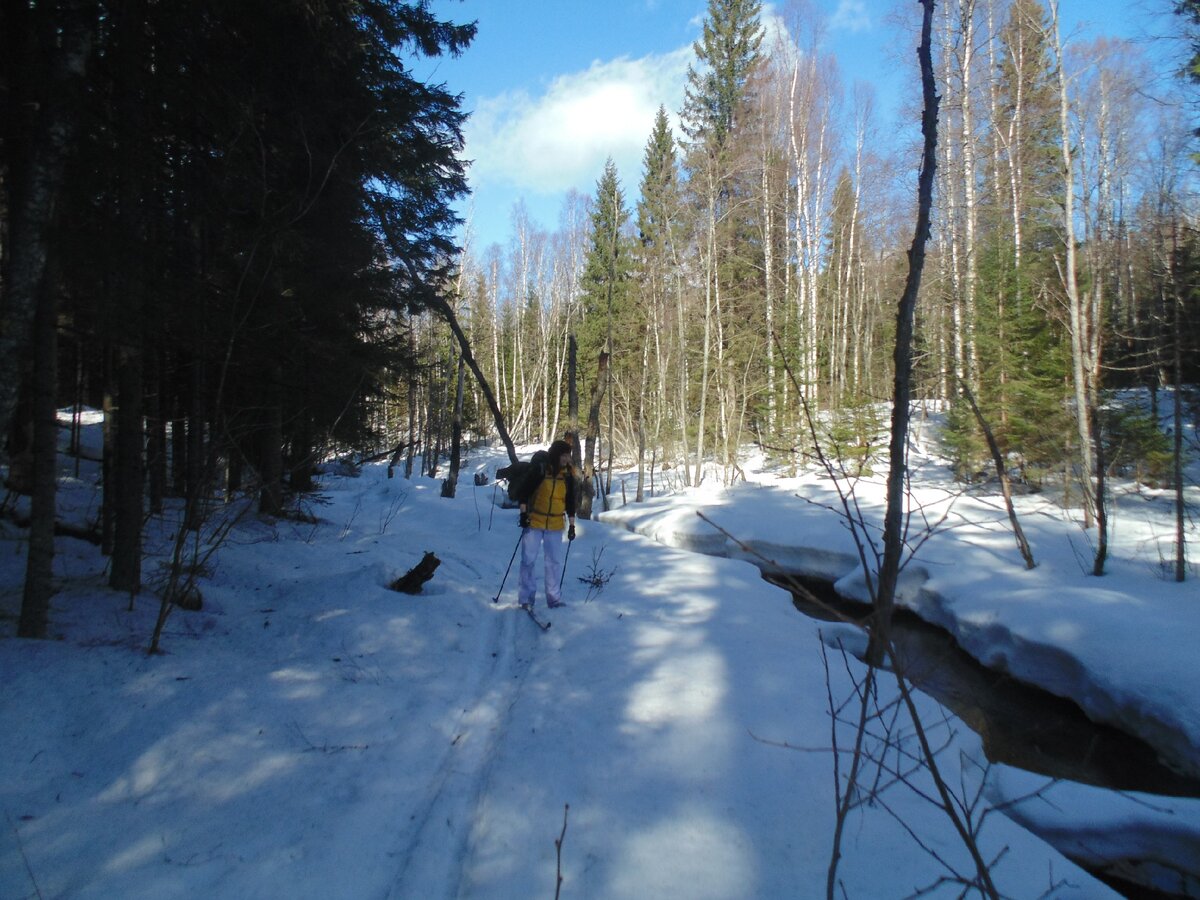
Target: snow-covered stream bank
pixel 1019 724
pixel 1122 647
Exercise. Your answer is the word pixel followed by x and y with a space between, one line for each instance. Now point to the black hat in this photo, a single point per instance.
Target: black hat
pixel 558 448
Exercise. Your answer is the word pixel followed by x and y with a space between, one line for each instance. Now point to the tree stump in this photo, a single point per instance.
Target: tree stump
pixel 412 580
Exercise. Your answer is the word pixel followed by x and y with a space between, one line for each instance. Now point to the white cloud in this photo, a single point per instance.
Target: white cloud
pixel 560 139
pixel 777 37
pixel 851 15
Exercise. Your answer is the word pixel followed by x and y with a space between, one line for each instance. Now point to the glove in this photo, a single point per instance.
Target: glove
pixel 571 533
pixel 523 521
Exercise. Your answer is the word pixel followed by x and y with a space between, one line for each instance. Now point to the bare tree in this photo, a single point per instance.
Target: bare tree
pixel 893 523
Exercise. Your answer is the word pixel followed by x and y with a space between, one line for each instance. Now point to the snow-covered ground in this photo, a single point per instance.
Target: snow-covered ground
pixel 311 733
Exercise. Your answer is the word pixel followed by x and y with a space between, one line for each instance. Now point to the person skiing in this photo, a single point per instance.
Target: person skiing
pixel 546 494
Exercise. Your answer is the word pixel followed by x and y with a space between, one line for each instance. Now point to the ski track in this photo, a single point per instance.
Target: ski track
pixel 437 835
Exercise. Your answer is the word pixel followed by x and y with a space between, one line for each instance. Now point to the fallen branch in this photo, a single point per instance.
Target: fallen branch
pixel 1002 474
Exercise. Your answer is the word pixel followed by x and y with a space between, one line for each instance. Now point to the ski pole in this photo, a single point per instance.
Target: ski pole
pixel 564 571
pixel 496 599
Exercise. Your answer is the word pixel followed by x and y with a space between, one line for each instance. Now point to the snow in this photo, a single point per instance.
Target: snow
pixel 311 733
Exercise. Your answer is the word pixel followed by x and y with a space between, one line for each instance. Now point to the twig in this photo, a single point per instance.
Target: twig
pixel 558 845
pixel 386 517
pixel 325 748
pixel 24 858
pixel 350 522
pixel 845 801
pixel 596 579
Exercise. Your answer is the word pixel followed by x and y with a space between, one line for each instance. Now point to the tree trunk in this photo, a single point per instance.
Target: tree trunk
pixel 1080 324
pixel 767 213
pixel 451 482
pixel 684 377
pixel 1177 455
pixel 235 469
pixel 37 188
pixel 412 400
pixel 39 566
pixel 129 481
pixel 643 386
pixel 108 463
pixel 970 201
pixel 588 491
pixel 270 452
pixel 1181 517
pixel 300 462
pixel 573 398
pixel 447 312
pixel 709 276
pixel 1101 506
pixel 195 480
pixel 179 431
pixel 156 434
pixel 893 522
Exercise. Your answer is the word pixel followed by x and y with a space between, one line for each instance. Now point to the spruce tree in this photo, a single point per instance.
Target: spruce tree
pixel 657 263
pixel 608 316
pixel 728 52
pixel 658 206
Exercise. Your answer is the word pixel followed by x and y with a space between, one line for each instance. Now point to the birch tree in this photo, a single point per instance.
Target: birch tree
pixel 715 105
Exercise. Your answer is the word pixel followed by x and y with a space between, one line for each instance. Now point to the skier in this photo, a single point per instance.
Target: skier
pixel 546 494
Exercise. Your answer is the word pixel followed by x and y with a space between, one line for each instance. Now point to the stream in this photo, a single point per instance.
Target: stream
pixel 1019 725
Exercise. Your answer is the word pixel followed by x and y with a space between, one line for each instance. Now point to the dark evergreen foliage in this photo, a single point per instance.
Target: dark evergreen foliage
pixel 255 195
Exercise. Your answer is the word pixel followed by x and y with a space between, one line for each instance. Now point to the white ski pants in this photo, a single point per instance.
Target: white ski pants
pixel 552 545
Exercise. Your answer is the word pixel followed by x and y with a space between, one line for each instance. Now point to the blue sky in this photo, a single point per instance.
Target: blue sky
pixel 554 87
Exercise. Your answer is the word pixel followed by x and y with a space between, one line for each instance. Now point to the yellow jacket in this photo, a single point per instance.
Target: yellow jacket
pixel 554 496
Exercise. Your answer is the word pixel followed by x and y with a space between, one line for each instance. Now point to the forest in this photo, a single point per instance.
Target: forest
pixel 232 227
pixel 764 252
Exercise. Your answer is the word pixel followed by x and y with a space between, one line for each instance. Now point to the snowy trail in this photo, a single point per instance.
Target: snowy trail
pixel 437 835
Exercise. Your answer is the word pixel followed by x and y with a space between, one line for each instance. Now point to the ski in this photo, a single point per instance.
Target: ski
pixel 540 623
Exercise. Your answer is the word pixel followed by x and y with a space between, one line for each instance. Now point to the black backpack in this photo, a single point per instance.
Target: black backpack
pixel 522 472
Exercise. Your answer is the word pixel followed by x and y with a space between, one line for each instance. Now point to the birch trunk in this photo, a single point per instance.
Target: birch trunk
pixel 709 276
pixel 970 204
pixel 1083 361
